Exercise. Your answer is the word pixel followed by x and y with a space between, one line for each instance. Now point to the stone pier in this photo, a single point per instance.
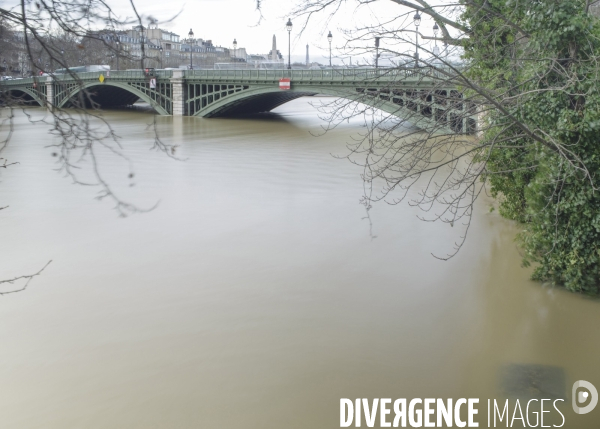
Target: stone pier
pixel 178 93
pixel 49 93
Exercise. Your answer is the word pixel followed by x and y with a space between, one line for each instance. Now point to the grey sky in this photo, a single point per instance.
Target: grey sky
pixel 223 20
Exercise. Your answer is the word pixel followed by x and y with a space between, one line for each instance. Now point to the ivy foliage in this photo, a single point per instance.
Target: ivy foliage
pixel 542 145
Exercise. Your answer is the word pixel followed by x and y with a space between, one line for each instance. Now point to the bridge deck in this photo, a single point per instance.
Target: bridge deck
pixel 402 91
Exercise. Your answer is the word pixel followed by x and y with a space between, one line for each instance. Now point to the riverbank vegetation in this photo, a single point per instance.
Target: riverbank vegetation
pixel 531 71
pixel 546 174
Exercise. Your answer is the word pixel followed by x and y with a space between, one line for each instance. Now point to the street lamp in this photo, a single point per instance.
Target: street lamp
pixel 161 57
pixel 377 52
pixel 190 40
pixel 417 20
pixel 329 39
pixel 436 29
pixel 118 45
pixel 288 26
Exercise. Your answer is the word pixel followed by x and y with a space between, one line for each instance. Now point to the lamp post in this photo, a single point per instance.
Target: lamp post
pixel 118 46
pixel 417 20
pixel 436 50
pixel 329 39
pixel 377 52
pixel 190 40
pixel 288 26
pixel 161 57
pixel 234 53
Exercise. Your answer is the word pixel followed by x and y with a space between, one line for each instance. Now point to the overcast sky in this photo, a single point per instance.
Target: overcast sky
pixel 223 20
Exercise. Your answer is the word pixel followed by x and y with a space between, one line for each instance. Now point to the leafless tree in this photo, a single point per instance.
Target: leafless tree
pixel 424 115
pixel 63 34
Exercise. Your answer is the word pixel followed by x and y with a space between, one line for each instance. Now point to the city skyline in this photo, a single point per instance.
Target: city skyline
pixel 222 21
pixel 227 20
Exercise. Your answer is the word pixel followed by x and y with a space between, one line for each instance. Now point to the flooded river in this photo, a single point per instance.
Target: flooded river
pixel 256 294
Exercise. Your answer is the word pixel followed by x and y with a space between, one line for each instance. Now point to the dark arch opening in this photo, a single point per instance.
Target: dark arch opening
pixel 105 96
pixel 257 103
pixel 18 97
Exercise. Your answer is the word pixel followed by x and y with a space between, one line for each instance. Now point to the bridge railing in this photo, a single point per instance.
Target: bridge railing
pixel 86 76
pixel 323 75
pixel 22 82
pixel 391 74
pixel 113 74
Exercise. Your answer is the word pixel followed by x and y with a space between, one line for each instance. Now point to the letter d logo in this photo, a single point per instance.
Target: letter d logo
pixel 581 397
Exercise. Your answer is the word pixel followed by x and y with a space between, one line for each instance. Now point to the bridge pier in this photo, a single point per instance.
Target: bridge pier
pixel 481 122
pixel 178 93
pixel 49 93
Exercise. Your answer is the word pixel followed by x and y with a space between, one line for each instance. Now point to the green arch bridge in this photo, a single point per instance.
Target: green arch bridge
pixel 426 96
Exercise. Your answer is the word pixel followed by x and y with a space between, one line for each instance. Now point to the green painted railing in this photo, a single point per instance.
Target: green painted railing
pixel 120 75
pixel 325 75
pixel 380 74
pixel 112 74
pixel 22 82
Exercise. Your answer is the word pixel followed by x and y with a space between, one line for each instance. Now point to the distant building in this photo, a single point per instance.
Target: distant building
pixel 169 42
pixel 275 55
pixel 131 45
pixel 203 53
pixel 255 60
pixel 239 54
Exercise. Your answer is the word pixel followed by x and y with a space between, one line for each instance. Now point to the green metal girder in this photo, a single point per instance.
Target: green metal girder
pixel 122 85
pixel 381 88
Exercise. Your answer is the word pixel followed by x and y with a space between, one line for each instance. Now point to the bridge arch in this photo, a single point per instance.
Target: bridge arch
pixel 27 95
pixel 112 93
pixel 261 98
pixel 255 99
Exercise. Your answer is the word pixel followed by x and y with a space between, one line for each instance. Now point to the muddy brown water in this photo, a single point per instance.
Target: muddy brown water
pixel 254 295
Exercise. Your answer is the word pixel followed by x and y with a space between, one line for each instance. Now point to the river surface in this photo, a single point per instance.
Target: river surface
pixel 256 294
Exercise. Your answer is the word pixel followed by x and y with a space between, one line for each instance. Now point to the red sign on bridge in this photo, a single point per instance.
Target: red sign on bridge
pixel 285 83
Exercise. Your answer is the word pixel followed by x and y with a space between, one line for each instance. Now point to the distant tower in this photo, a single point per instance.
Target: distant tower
pixel 274 49
pixel 307 60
